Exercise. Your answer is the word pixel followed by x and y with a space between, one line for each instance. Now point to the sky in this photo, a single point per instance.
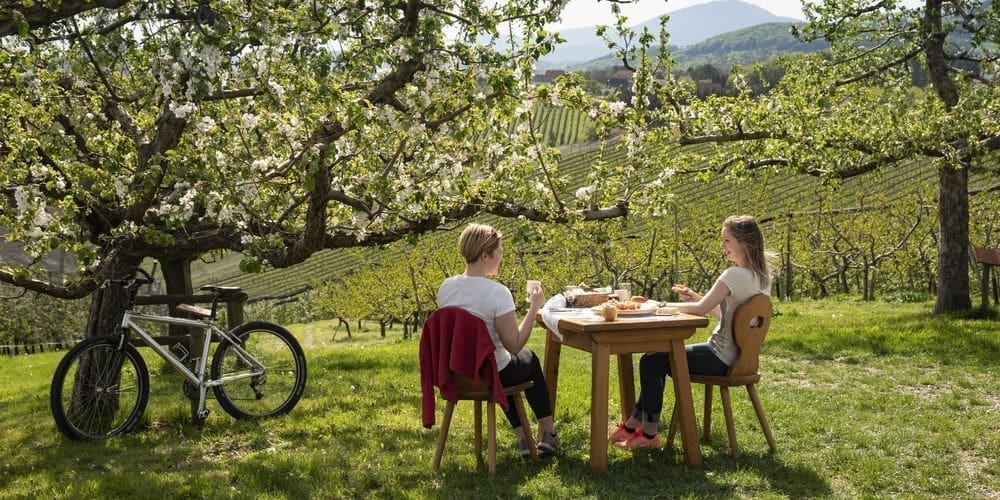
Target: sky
pixel 583 13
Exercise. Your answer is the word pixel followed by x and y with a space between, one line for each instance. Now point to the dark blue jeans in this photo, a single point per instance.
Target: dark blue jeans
pixel 654 367
pixel 524 366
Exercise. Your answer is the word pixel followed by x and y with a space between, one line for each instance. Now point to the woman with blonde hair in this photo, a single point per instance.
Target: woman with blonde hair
pixel 482 247
pixel 743 244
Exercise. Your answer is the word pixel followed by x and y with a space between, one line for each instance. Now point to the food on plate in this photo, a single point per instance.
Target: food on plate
pixel 638 298
pixel 628 306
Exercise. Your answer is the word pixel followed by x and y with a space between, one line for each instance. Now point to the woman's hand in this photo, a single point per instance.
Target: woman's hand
pixel 686 294
pixel 536 299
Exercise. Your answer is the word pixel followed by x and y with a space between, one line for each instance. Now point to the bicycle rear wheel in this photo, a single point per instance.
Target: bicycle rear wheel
pixel 274 392
pixel 99 390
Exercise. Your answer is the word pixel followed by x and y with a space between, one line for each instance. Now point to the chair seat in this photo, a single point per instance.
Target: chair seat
pixel 467 389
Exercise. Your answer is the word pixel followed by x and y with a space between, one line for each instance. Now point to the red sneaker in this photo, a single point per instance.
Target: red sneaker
pixel 639 440
pixel 620 433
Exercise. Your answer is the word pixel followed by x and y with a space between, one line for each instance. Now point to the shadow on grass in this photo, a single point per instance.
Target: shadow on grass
pixel 648 473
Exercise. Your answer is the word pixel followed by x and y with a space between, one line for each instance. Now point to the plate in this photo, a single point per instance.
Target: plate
pixel 646 309
pixel 562 309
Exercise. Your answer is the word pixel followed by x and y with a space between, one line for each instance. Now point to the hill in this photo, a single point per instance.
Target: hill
pixel 744 46
pixel 687 26
pixel 769 197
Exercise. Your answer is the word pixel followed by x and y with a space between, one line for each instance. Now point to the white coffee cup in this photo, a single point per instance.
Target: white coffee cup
pixel 532 286
pixel 622 295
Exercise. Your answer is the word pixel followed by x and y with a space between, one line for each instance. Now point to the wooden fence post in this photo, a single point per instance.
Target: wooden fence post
pixel 988 258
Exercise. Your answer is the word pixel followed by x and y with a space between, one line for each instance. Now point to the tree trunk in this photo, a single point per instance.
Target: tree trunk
pixel 177 277
pixel 107 305
pixel 953 244
pixel 953 196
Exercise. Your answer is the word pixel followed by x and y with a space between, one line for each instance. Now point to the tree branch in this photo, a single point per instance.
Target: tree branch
pixel 879 70
pixel 722 138
pixel 39 14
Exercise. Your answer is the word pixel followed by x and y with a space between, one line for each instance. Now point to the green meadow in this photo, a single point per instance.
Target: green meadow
pixel 866 399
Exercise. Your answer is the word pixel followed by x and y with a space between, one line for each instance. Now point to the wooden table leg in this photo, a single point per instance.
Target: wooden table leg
pixel 550 366
pixel 685 403
pixel 601 361
pixel 626 385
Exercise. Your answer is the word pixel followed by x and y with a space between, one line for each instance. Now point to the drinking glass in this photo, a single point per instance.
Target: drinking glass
pixel 570 295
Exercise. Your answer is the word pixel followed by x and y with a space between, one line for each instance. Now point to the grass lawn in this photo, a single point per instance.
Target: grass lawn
pixel 864 399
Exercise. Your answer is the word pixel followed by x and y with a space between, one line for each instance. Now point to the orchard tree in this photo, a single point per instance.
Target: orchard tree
pixel 166 129
pixel 848 112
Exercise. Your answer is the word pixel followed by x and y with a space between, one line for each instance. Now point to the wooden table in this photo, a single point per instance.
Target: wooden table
pixel 623 337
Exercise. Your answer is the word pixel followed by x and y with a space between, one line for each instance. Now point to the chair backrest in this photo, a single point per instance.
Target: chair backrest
pixel 453 318
pixel 750 323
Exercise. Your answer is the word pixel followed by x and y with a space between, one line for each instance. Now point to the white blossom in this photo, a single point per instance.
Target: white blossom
pixel 249 121
pixel 183 110
pixel 121 190
pixel 39 172
pixel 206 124
pixel 279 91
pixel 21 197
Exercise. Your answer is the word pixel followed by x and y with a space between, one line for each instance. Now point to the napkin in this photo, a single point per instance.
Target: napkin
pixel 550 318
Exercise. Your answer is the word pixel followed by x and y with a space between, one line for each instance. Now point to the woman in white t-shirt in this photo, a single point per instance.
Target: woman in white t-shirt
pixel 474 291
pixel 743 244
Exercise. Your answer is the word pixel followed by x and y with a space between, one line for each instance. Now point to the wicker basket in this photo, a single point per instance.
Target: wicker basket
pixel 591 299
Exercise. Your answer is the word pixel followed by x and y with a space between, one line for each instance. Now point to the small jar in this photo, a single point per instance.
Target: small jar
pixel 610 312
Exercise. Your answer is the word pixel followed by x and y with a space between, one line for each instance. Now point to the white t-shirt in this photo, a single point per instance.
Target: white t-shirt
pixel 743 284
pixel 485 299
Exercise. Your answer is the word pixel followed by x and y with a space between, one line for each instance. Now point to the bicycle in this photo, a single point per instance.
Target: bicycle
pixel 101 386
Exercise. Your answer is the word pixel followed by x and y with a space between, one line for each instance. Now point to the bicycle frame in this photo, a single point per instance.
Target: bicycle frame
pixel 198 377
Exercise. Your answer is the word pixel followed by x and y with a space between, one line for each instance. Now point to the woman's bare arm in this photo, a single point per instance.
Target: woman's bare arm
pixel 709 304
pixel 514 336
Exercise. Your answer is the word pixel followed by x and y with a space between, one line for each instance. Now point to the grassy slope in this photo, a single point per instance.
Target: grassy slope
pixel 864 399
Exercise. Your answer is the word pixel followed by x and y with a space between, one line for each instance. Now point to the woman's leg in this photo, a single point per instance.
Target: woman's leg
pixel 523 367
pixel 653 368
pixel 702 361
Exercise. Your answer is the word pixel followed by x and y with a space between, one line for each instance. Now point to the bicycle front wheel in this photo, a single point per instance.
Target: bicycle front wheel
pixel 99 389
pixel 273 392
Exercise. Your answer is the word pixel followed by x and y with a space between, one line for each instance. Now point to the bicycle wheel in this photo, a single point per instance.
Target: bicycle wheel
pixel 99 390
pixel 274 392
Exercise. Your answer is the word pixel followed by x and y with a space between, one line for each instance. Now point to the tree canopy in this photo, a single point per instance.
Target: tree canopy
pixel 851 111
pixel 169 129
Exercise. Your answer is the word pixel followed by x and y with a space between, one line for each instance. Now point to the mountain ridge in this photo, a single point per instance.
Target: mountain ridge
pixel 744 46
pixel 686 26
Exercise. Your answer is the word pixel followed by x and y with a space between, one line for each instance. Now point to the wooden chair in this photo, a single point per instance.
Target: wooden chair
pixel 750 323
pixel 467 391
pixel 452 322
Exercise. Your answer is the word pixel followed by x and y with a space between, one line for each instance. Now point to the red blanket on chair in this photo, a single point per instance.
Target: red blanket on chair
pixel 453 340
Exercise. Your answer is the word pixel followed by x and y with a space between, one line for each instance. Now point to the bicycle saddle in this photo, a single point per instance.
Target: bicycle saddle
pixel 222 290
